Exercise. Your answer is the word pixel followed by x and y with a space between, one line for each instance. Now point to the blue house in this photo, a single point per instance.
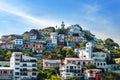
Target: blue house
pixel 50 46
pixel 95 41
pixel 70 44
pixel 18 43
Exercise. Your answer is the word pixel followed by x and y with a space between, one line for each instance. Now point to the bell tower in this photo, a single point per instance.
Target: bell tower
pixel 62 25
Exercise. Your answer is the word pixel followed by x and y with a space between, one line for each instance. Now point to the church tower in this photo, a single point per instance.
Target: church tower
pixel 62 25
pixel 88 50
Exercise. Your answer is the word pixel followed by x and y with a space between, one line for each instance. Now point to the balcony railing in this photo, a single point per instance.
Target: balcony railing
pixel 28 60
pixel 25 70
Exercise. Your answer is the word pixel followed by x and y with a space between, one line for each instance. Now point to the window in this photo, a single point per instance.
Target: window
pixel 5 72
pixel 78 66
pixel 24 69
pixel 104 64
pixel 33 65
pixel 24 64
pixel 33 73
pixel 16 63
pixel 11 72
pixel 71 67
pixel 78 74
pixel 78 71
pixel 84 64
pixel 67 66
pixel 101 64
pixel 91 71
pixel 75 67
pixel 67 70
pixel 17 59
pixel 78 63
pixel 34 69
pixel 98 64
pixel 16 73
pixel 23 73
pixel 16 68
pixel 46 64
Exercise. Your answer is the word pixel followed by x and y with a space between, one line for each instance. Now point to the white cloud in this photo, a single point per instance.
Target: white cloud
pixel 28 18
pixel 102 26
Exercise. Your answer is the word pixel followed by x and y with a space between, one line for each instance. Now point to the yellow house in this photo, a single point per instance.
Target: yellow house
pixel 69 39
pixel 117 60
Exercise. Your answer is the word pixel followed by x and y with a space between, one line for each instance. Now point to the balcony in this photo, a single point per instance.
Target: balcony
pixel 28 60
pixel 27 70
pixel 34 65
pixel 29 66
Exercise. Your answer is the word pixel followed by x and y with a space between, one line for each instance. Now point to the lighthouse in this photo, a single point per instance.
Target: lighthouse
pixel 62 25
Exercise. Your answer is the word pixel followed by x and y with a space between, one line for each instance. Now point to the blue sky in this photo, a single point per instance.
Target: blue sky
pixel 101 17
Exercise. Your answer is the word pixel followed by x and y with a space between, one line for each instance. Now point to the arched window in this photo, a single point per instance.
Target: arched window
pixel 104 64
pixel 78 63
pixel 98 64
pixel 101 64
pixel 84 63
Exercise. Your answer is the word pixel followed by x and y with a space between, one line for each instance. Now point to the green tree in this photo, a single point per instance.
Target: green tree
pixel 11 38
pixel 110 44
pixel 54 77
pixel 8 55
pixel 49 74
pixel 72 78
pixel 100 41
pixel 2 55
pixel 114 75
pixel 109 60
pixel 6 66
pixel 56 56
pixel 77 45
pixel 83 44
pixel 62 31
pixel 70 53
pixel 29 53
pixel 96 49
pixel 91 66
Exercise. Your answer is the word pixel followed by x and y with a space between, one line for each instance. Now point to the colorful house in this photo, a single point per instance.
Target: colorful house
pixel 53 37
pixel 69 42
pixel 61 39
pixel 18 43
pixel 92 74
pixel 50 46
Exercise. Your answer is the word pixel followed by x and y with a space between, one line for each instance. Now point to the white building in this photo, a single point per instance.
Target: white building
pixel 70 70
pixel 99 56
pixel 72 67
pixel 85 53
pixel 48 64
pixel 75 29
pixel 24 66
pixel 54 37
pixel 99 60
